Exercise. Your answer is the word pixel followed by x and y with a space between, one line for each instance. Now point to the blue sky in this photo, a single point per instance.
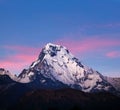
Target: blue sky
pixel 89 28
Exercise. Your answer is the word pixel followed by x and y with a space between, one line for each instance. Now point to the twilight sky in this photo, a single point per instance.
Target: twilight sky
pixel 89 28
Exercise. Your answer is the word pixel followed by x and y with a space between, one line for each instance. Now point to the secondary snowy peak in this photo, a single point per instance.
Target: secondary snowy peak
pixel 58 64
pixel 6 72
pixel 115 81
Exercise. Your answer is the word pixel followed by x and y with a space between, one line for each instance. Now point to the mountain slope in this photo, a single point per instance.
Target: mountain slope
pixel 57 64
pixel 114 81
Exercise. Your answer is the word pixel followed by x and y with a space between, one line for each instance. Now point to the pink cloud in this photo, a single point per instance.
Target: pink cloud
pixel 88 45
pixel 17 62
pixel 22 58
pixel 13 66
pixel 113 54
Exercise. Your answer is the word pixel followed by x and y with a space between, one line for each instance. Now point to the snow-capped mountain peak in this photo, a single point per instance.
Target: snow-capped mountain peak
pixel 56 63
pixel 54 52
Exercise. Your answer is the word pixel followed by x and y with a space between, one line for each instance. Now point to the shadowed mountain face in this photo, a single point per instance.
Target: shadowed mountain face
pixel 5 79
pixel 10 91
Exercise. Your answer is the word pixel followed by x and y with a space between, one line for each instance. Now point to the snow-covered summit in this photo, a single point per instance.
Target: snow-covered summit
pixel 58 64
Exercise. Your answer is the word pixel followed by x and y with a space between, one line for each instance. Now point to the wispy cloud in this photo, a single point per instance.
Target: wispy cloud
pixel 88 45
pixel 113 54
pixel 22 58
pixel 17 62
pixel 12 66
pixel 25 55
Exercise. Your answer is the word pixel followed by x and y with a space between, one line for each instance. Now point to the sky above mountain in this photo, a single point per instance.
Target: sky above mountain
pixel 90 29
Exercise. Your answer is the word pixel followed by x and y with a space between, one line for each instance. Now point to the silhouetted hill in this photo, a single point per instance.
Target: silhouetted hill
pixel 67 99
